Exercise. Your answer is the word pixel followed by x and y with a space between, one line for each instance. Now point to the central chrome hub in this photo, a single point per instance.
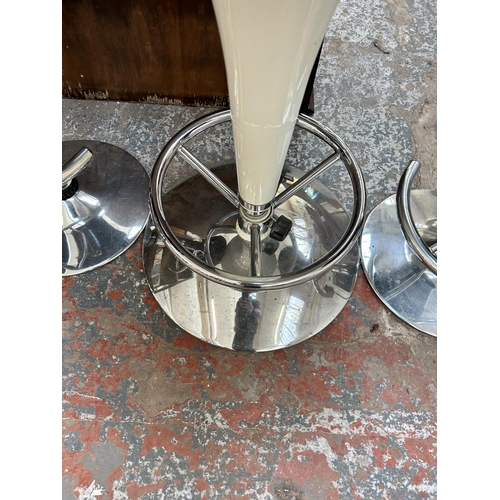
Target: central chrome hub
pixel 254 221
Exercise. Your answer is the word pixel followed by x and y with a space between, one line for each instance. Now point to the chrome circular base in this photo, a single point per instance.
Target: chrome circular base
pixel 107 207
pixel 205 222
pixel 396 274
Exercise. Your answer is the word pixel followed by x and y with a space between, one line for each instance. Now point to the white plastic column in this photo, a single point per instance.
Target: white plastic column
pixel 269 50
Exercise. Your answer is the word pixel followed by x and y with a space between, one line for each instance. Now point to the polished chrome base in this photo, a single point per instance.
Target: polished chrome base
pixel 106 208
pixel 205 222
pixel 400 279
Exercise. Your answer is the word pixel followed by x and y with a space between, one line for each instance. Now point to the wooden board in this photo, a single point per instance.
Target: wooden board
pixel 165 51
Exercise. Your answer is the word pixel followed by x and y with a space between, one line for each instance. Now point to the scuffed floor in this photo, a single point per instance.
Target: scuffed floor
pixel 150 412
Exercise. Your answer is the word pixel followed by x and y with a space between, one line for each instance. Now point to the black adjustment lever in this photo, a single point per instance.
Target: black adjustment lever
pixel 280 228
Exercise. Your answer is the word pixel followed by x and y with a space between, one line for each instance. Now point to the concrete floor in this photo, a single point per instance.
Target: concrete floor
pixel 150 412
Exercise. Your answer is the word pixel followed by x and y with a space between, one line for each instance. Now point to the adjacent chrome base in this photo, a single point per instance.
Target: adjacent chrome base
pixel 205 222
pixel 400 279
pixel 107 208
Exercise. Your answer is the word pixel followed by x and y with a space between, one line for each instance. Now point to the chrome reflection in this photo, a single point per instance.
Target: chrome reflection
pixel 107 208
pixel 255 320
pixel 401 280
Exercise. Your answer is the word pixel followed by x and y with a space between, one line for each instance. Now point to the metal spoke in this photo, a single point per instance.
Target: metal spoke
pixel 255 250
pixel 209 176
pixel 306 179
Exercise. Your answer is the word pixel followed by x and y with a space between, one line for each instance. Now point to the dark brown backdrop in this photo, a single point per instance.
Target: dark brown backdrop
pixel 165 51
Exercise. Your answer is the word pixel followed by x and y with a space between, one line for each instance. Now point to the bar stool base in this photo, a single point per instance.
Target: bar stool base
pixel 399 278
pixel 254 320
pixel 107 207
